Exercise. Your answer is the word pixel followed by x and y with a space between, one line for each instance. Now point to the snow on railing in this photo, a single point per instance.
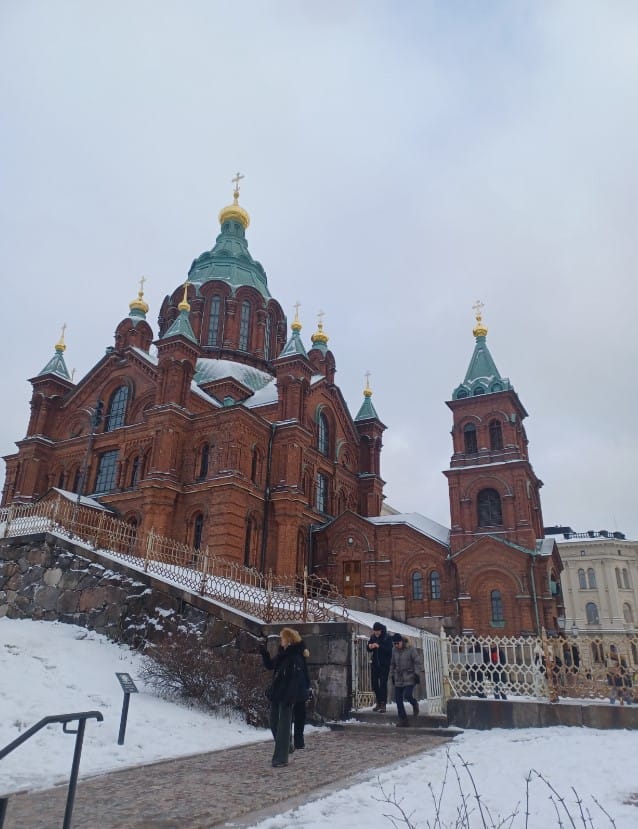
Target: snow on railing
pixel 272 598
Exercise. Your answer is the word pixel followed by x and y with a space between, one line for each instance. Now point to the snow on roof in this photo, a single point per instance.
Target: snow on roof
pixel 544 546
pixel 208 370
pixel 419 523
pixel 150 358
pixel 264 396
pixel 83 500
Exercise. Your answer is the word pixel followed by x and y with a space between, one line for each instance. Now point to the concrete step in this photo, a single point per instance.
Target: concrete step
pixel 390 727
pixel 422 721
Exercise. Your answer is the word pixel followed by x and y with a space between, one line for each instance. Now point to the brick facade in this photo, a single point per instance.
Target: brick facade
pixel 229 435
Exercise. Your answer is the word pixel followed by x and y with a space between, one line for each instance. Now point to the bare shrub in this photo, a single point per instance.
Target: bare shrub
pixel 220 677
pixel 471 811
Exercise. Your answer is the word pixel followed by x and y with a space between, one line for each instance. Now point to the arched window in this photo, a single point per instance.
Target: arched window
pixel 478 391
pixel 244 326
pixel 203 462
pixel 618 581
pixel 591 578
pixel 77 479
pixel 489 508
pixel 496 435
pixel 135 471
pixel 198 529
pixel 61 479
pixel 625 578
pixel 582 581
pixel 469 439
pixel 116 414
pixel 213 319
pixel 321 501
pixel 591 611
pixel 323 440
pixel 417 586
pixel 106 469
pixel 435 585
pixel 267 335
pixel 496 601
pixel 628 613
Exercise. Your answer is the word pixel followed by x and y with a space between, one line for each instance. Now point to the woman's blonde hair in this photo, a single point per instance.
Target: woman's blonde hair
pixel 292 636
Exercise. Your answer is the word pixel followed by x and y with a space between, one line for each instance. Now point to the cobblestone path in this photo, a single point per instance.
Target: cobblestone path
pixel 216 789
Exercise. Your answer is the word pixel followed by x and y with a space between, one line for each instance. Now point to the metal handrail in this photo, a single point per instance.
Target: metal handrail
pixel 65 719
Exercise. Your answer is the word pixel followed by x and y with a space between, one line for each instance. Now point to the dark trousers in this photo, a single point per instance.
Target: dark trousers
pixel 299 722
pixel 380 683
pixel 403 692
pixel 280 722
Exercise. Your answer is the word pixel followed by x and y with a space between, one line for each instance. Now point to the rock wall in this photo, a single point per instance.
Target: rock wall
pixel 52 579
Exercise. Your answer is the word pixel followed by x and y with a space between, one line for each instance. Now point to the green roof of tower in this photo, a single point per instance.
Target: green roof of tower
pixel 482 376
pixel 367 410
pixel 181 325
pixel 294 345
pixel 230 260
pixel 56 364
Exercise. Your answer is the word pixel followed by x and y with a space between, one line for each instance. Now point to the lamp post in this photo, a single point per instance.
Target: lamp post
pixel 96 416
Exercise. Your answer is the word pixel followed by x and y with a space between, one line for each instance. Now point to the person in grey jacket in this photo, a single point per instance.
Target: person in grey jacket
pixel 404 668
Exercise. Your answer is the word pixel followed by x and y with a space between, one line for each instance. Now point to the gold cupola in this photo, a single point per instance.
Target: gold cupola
pixel 184 305
pixel 295 324
pixel 233 211
pixel 138 307
pixel 479 329
pixel 320 338
pixel 60 346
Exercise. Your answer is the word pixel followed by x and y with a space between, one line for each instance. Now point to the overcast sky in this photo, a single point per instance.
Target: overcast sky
pixel 402 160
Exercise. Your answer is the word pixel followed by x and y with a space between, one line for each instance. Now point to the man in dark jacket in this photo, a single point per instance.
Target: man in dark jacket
pixel 380 646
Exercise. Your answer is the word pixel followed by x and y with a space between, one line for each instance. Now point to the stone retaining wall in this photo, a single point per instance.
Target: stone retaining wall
pixel 485 714
pixel 44 577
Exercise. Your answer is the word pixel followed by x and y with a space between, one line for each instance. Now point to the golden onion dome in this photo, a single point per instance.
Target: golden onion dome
pixel 234 211
pixel 60 346
pixel 479 329
pixel 184 305
pixel 139 304
pixel 320 335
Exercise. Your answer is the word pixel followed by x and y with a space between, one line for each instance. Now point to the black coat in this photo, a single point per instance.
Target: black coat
pixel 290 681
pixel 382 655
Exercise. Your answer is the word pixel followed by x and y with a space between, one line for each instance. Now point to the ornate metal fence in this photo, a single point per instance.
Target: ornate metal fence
pixel 268 597
pixel 603 666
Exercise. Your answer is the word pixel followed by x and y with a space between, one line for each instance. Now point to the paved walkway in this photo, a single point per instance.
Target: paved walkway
pixel 233 787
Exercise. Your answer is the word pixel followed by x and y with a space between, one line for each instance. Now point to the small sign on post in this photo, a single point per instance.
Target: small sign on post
pixel 129 687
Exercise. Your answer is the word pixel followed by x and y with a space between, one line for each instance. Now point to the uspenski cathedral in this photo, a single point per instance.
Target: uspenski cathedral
pixel 224 430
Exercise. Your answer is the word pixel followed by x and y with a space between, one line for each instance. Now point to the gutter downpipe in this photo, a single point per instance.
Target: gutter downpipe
pixel 533 581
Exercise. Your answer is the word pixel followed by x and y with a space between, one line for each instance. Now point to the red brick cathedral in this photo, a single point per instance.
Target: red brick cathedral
pixel 225 432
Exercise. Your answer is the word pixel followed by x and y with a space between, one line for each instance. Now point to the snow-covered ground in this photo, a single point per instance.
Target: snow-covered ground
pixel 598 764
pixel 51 668
pixel 47 668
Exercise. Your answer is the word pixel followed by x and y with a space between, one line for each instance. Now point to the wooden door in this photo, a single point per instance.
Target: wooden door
pixel 351 578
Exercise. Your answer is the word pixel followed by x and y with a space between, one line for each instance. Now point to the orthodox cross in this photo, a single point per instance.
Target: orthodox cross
pixel 297 306
pixel 478 307
pixel 63 330
pixel 235 181
pixel 142 281
pixel 320 315
pixel 367 376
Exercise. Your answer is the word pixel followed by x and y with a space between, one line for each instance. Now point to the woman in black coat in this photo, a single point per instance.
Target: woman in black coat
pixel 288 689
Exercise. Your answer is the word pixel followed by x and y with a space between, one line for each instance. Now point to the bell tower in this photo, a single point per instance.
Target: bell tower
pixel 493 489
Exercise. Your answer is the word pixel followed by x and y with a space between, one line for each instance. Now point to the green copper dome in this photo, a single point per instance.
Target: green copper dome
pixel 482 376
pixel 230 261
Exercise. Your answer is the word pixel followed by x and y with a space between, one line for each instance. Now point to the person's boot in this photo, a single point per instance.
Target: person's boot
pixel 415 708
pixel 376 707
pixel 402 723
pixel 380 709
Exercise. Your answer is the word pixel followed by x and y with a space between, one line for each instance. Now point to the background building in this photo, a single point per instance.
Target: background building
pixel 599 580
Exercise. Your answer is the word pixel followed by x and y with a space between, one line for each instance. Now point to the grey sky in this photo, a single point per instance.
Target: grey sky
pixel 401 161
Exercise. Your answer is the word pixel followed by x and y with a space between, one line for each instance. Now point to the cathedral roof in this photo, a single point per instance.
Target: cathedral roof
pixel 56 364
pixel 418 522
pixel 482 376
pixel 230 260
pixel 209 370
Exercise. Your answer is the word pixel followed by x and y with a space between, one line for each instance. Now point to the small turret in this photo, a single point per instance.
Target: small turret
pixel 134 330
